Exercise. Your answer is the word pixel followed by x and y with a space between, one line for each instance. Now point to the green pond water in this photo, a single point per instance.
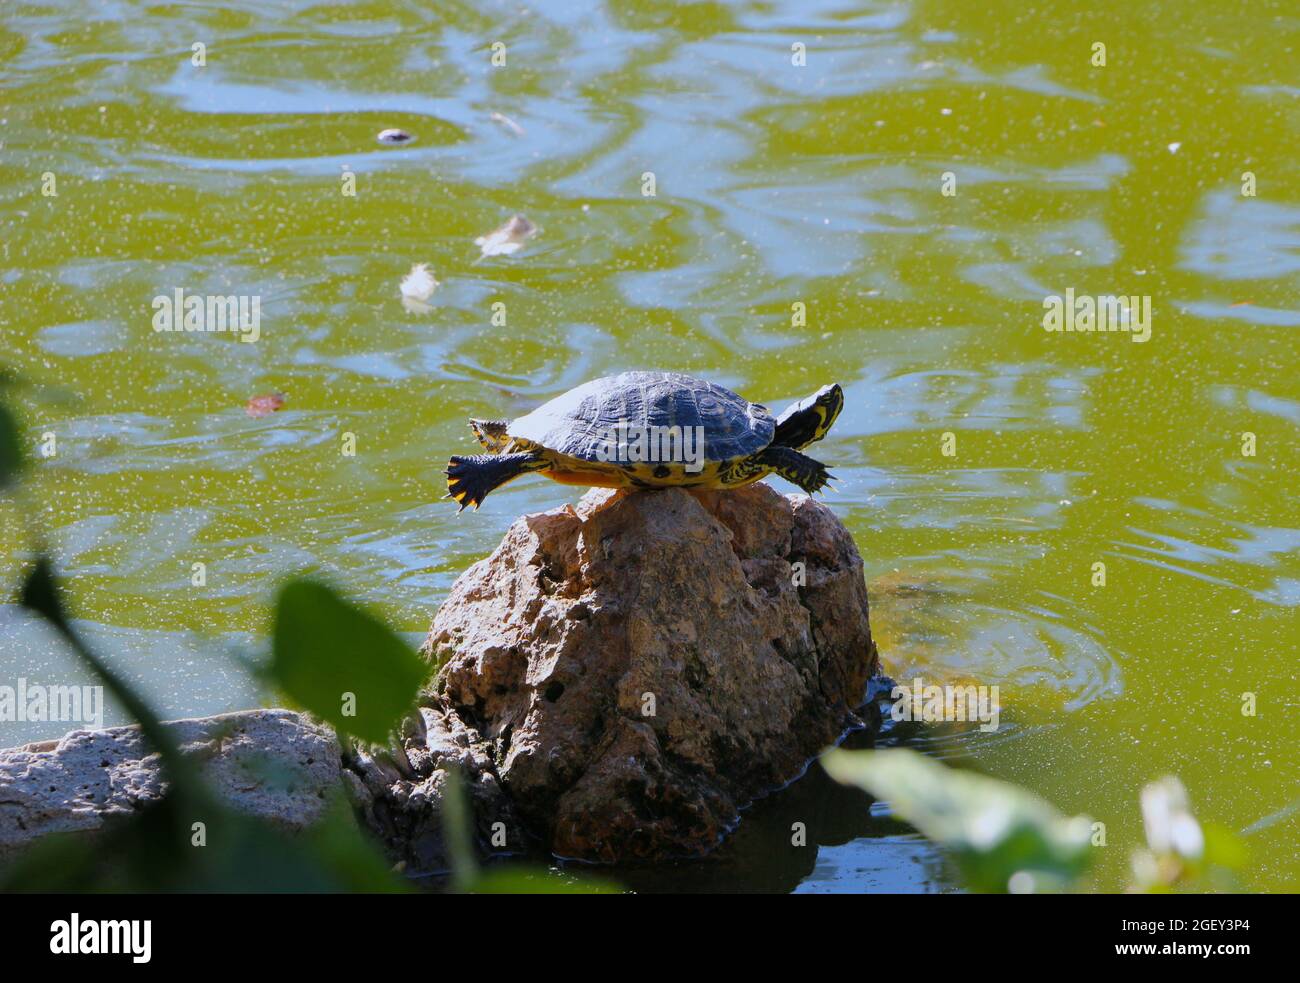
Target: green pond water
pixel 776 184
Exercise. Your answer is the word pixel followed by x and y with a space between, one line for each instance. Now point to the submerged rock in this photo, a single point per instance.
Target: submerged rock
pixel 275 765
pixel 631 673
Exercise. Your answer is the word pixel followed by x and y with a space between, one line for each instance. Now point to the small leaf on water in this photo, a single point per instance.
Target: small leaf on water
pixel 993 829
pixel 341 663
pixel 508 239
pixel 265 405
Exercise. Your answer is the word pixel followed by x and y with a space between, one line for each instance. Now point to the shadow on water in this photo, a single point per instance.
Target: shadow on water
pixel 815 836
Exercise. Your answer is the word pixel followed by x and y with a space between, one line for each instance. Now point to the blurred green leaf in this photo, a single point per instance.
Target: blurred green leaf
pixel 1273 818
pixel 993 829
pixel 1224 848
pixel 1181 852
pixel 341 663
pixel 40 595
pixel 63 863
pixel 154 851
pixel 247 854
pixel 11 448
pixel 457 832
pixel 356 864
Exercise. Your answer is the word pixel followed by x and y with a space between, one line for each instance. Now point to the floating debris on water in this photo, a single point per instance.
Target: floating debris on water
pixel 419 284
pixel 417 287
pixel 394 136
pixel 265 405
pixel 508 123
pixel 508 239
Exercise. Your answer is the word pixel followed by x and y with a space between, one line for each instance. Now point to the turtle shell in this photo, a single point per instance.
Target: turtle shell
pixel 579 422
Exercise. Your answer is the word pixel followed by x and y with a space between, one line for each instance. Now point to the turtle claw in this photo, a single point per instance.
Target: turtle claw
pixel 457 501
pixel 816 479
pixel 460 485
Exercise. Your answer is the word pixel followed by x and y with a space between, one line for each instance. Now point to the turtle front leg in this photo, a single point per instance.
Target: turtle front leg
pixel 798 469
pixel 469 479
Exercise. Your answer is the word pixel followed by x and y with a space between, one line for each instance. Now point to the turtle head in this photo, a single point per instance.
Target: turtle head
pixel 829 400
pixel 809 419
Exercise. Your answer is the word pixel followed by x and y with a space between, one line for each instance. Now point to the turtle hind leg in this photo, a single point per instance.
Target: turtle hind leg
pixel 798 469
pixel 470 479
pixel 492 434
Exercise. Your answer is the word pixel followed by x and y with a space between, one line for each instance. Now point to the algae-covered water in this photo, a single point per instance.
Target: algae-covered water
pixel 890 214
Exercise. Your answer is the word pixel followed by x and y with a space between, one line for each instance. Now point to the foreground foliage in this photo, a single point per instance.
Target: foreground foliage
pixel 329 657
pixel 1004 838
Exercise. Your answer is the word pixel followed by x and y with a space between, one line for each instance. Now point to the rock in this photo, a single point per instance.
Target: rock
pixel 272 764
pixel 405 811
pixel 634 671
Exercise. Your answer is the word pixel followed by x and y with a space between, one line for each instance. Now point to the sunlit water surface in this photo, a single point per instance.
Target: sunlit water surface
pixel 776 184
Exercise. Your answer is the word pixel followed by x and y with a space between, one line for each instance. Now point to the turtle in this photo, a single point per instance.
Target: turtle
pixel 645 430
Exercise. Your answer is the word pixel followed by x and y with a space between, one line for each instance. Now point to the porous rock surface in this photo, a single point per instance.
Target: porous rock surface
pixel 272 764
pixel 627 675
